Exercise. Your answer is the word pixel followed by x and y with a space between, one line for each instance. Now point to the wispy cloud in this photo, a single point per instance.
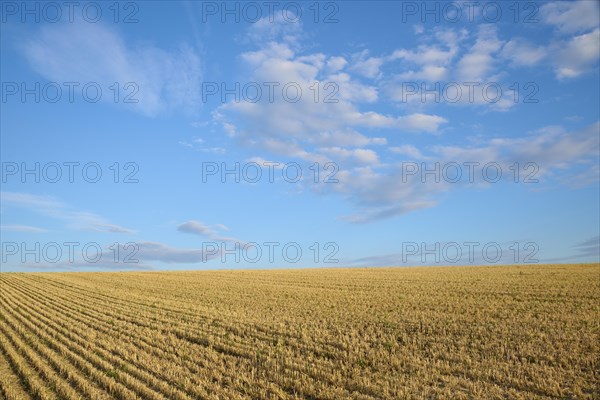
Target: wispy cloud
pixel 558 155
pixel 155 251
pixel 454 253
pixel 571 16
pixel 208 231
pixel 589 248
pixel 350 134
pixel 477 64
pixel 577 55
pixel 164 80
pixel 22 228
pixel 51 207
pixel 197 143
pixel 112 228
pixel 366 66
pixel 103 265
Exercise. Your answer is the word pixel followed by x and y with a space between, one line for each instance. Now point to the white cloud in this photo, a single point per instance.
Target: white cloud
pixel 197 144
pixel 588 249
pixel 557 150
pixel 441 53
pixel 272 50
pixel 377 213
pixel 84 52
pixel 112 228
pixel 557 154
pixel 195 227
pixel 275 27
pixel 506 256
pixel 275 165
pixel 577 55
pixel 343 132
pixel 425 55
pixel 589 176
pixel 349 89
pixel 154 251
pixel 308 121
pixel 552 149
pixel 319 131
pixel 51 207
pixel 344 138
pixel 448 58
pixel 571 16
pixel 408 150
pixel 520 52
pixel 209 231
pixel 422 122
pixel 362 156
pixel 78 265
pixel 366 66
pixel 478 64
pixel 429 73
pixel 433 62
pixel 145 253
pixel 335 64
pixel 22 228
pixel 416 122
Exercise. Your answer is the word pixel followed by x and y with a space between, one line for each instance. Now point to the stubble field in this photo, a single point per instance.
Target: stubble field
pixel 515 332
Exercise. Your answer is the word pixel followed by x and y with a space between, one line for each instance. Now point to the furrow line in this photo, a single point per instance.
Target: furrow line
pixel 115 356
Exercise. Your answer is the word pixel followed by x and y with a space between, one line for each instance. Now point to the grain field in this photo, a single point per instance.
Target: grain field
pixel 515 332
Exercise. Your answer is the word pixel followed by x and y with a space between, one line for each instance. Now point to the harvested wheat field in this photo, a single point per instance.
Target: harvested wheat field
pixel 528 332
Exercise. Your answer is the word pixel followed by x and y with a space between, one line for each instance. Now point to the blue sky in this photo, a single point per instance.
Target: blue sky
pixel 161 98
